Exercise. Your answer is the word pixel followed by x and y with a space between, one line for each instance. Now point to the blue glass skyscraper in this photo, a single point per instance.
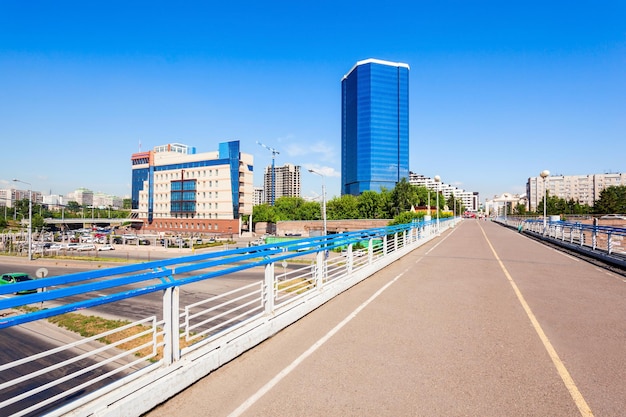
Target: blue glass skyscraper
pixel 374 126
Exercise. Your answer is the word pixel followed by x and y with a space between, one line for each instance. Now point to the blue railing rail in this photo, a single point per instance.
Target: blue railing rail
pixel 163 272
pixel 217 328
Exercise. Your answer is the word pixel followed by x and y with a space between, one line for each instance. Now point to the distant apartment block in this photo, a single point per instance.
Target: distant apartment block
pixel 469 199
pixel 258 198
pixel 9 196
pixel 286 182
pixel 82 196
pixel 175 189
pixel 584 189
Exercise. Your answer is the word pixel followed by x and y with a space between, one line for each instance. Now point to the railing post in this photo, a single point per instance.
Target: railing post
pixel 385 249
pixel 609 244
pixel 171 340
pixel 349 259
pixel 321 269
pixel 582 237
pixel 269 290
pixel 594 238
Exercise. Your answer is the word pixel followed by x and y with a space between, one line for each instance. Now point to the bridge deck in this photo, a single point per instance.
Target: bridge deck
pixel 480 322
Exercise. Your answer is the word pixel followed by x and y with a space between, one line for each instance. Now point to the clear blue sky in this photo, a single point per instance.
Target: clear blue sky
pixel 499 90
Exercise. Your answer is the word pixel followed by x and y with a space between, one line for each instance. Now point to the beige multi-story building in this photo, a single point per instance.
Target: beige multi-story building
pixel 175 189
pixel 258 196
pixel 584 189
pixel 82 196
pixel 9 196
pixel 286 182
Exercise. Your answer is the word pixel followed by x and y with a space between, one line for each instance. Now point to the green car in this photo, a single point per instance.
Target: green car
pixel 13 277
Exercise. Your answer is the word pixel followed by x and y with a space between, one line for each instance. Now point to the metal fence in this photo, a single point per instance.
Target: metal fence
pixel 606 242
pixel 135 366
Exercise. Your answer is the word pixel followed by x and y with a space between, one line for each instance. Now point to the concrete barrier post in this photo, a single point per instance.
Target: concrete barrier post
pixel 269 291
pixel 171 303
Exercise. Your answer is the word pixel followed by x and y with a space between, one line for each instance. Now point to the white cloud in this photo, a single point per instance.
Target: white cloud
pixel 324 170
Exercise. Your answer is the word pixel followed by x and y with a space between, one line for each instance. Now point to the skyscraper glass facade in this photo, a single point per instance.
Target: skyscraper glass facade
pixel 374 126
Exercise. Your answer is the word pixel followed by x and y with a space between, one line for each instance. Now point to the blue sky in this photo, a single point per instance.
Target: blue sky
pixel 499 90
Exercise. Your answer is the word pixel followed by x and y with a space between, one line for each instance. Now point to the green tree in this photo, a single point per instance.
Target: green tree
pixel 309 210
pixel 344 207
pixel 612 200
pixel 368 205
pixel 73 206
pixel 263 213
pixel 38 222
pixel 422 195
pixel 287 208
pixel 386 207
pixel 21 207
pixel 404 195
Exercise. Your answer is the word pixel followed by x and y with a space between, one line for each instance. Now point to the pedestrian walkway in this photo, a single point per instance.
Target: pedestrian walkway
pixel 482 321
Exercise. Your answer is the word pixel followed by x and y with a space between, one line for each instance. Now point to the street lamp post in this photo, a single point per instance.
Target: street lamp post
pixel 312 171
pixel 437 180
pixel 544 174
pixel 30 218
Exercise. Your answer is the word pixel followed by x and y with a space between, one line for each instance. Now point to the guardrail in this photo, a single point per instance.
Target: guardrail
pixel 132 368
pixel 603 242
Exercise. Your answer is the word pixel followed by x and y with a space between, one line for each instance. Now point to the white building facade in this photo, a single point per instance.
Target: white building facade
pixel 584 189
pixel 468 198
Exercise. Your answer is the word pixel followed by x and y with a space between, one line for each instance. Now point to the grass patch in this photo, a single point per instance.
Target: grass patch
pixel 89 326
pixel 298 285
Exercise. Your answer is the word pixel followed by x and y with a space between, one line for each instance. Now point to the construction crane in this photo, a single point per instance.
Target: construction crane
pixel 274 153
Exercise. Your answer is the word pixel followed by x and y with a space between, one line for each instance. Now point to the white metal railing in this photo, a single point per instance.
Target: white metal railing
pixel 601 239
pixel 86 376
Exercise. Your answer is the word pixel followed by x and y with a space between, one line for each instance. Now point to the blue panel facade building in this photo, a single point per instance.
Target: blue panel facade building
pixel 374 126
pixel 175 189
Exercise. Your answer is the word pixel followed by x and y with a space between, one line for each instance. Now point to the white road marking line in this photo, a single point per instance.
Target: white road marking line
pixel 286 371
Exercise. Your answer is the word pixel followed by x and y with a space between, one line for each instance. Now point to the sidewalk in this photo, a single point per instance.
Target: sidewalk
pixel 451 329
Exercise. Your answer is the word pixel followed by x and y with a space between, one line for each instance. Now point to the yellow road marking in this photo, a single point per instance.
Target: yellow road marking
pixel 560 367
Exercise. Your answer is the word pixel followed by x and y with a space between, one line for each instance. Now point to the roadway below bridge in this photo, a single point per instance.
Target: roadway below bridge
pixel 482 321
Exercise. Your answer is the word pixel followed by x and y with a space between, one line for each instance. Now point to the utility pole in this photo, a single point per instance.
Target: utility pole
pixel 274 153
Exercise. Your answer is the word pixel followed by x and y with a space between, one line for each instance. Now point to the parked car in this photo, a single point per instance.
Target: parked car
pixel 106 247
pixel 14 277
pixel 614 216
pixel 86 247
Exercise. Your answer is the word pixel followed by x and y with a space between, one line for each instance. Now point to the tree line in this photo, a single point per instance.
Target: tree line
pixel 386 204
pixel 72 210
